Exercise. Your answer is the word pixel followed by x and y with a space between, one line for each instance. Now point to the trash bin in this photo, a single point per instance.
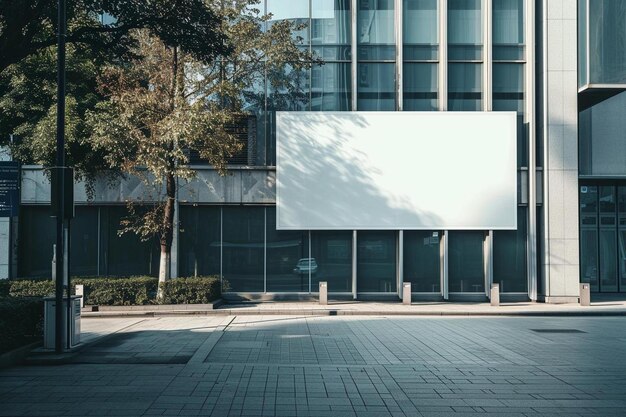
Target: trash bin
pixel 49 321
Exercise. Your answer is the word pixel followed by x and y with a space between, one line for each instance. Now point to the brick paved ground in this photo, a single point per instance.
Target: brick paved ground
pixel 334 366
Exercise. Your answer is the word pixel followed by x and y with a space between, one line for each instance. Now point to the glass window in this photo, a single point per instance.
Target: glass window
pixel 582 43
pixel 376 261
pixel 125 255
pixel 330 22
pixel 508 87
pixel 421 260
pixel 288 262
pixel 465 34
pixel 465 262
pixel 199 244
pixel 375 32
pixel 332 253
pixel 376 87
pixel 420 87
pixel 376 24
pixel 243 246
pixel 296 11
pixel 509 256
pixel 84 242
pixel 621 253
pixel 607 41
pixel 464 87
pixel 37 234
pixel 331 87
pixel 608 239
pixel 589 235
pixel 420 29
pixel 508 29
pixel 602 138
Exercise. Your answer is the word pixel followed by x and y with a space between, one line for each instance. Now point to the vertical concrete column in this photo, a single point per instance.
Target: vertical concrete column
pixel 560 131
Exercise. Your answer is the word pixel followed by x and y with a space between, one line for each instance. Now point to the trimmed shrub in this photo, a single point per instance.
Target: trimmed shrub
pixel 21 322
pixel 118 291
pixel 200 290
pixel 126 291
pixel 28 288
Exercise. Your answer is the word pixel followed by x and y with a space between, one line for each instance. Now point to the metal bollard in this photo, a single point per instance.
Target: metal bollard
pixel 80 290
pixel 406 293
pixel 495 295
pixel 323 293
pixel 585 295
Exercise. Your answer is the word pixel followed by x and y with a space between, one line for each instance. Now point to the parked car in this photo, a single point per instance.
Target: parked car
pixel 303 265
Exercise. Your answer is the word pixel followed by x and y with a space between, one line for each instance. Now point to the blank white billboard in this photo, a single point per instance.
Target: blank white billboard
pixel 396 170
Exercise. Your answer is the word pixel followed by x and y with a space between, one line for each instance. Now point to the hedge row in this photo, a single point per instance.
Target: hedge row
pixel 21 322
pixel 128 291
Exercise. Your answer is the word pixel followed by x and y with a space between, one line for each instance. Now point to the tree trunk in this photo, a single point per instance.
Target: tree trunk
pixel 168 230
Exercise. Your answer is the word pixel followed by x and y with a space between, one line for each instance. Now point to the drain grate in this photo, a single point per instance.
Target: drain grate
pixel 557 331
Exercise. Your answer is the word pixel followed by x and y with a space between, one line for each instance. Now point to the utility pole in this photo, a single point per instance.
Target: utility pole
pixel 59 196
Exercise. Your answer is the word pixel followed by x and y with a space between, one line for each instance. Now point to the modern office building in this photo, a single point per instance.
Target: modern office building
pixel 558 67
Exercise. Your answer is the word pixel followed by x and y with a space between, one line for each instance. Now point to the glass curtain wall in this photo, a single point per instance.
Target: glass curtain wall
pixel 420 51
pixel 199 240
pixel 331 258
pixel 288 89
pixel 331 83
pixel 376 261
pixel 422 260
pixel 621 230
pixel 243 248
pixel 465 262
pixel 376 73
pixel 509 256
pixel 288 262
pixel 608 238
pixel 508 55
pixel 588 198
pixel 465 55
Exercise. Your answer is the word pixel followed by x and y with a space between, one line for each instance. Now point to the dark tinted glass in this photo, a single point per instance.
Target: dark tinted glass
pixel 376 261
pixel 421 261
pixel 509 256
pixel 465 262
pixel 199 245
pixel 288 263
pixel 242 253
pixel 332 252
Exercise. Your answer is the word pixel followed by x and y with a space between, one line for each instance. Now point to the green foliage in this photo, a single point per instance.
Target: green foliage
pixel 118 291
pixel 201 290
pixel 126 291
pixel 26 27
pixel 21 322
pixel 28 288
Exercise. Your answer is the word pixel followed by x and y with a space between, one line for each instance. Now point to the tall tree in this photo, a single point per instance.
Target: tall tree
pixel 27 27
pixel 168 102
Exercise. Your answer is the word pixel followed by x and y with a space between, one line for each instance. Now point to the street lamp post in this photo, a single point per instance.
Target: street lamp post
pixel 59 196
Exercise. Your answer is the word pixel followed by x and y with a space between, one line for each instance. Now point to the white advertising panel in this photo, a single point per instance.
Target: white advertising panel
pixel 396 170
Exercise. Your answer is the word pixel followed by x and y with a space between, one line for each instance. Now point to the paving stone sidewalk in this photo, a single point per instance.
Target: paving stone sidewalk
pixel 272 365
pixel 600 307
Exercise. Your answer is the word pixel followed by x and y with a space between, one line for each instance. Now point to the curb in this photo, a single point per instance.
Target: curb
pixel 330 312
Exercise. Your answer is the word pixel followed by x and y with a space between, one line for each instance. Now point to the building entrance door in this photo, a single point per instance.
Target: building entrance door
pixel 603 236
